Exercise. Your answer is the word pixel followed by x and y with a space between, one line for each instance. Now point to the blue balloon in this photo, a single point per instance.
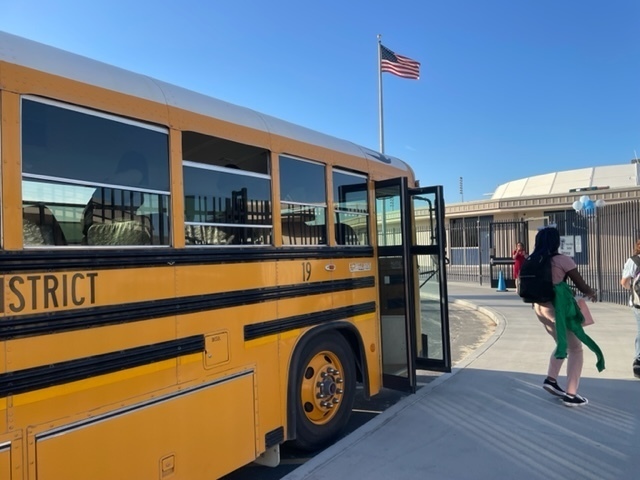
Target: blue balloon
pixel 589 206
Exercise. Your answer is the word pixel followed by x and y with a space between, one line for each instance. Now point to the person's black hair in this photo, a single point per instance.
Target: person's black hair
pixel 547 241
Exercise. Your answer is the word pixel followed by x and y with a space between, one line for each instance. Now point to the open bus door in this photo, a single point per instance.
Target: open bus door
pixel 414 312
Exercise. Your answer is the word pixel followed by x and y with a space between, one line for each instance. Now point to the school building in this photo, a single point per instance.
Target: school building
pixel 481 235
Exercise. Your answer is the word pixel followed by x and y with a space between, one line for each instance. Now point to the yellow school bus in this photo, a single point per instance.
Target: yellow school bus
pixel 187 284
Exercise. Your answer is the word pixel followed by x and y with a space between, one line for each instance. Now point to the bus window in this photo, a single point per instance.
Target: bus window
pixel 92 179
pixel 351 208
pixel 227 189
pixel 303 201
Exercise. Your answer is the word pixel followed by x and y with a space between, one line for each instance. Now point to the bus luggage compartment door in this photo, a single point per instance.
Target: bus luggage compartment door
pixel 5 460
pixel 204 432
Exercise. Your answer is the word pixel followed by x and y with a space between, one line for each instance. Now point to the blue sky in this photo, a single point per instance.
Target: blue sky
pixel 508 88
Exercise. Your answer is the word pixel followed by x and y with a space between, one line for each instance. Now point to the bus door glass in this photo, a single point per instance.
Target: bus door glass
pixel 397 316
pixel 428 255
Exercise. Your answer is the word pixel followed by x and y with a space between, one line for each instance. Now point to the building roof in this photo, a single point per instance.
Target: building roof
pixel 582 179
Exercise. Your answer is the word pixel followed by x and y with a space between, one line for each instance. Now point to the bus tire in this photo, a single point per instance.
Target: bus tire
pixel 325 390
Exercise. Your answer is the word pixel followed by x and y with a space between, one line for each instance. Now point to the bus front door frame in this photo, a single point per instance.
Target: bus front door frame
pixel 406 262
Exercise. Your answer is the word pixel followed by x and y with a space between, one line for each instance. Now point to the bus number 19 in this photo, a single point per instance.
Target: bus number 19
pixel 306 271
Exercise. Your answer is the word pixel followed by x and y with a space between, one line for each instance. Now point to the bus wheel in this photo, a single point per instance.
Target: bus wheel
pixel 326 383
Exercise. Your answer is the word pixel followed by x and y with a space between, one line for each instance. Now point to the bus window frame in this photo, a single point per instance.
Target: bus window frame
pixel 337 210
pixel 292 202
pixel 70 182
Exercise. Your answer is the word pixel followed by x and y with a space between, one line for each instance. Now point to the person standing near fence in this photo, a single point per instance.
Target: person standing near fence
pixel 631 267
pixel 518 255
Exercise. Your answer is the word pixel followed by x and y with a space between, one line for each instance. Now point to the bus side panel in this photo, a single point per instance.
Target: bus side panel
pixel 225 346
pixel 368 325
pixel 162 440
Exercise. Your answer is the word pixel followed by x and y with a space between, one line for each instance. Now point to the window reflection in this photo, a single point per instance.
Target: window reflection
pixel 91 178
pixel 303 202
pixel 351 204
pixel 226 206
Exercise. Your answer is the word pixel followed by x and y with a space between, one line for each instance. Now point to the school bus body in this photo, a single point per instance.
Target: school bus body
pixel 164 362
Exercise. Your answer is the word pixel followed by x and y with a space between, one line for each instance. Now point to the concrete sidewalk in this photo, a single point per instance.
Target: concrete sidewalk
pixel 489 418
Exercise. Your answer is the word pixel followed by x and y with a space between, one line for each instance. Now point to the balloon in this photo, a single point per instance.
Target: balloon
pixel 577 205
pixel 600 203
pixel 584 199
pixel 589 206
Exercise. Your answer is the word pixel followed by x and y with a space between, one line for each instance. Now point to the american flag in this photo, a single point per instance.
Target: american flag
pixel 398 65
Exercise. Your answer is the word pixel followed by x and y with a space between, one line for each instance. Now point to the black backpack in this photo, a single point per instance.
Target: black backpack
pixel 534 281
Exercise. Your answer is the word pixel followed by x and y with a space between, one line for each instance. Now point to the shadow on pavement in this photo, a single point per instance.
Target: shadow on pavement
pixel 468 329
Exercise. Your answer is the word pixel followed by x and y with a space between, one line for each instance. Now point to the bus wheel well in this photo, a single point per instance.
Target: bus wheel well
pixel 318 350
pixel 355 342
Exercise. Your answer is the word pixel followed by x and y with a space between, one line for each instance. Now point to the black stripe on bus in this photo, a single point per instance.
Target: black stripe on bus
pixel 12 262
pixel 272 327
pixel 69 320
pixel 21 381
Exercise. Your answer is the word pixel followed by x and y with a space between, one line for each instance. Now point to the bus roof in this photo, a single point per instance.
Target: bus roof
pixel 38 56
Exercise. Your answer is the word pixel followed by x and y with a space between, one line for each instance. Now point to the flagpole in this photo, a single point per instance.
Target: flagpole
pixel 380 121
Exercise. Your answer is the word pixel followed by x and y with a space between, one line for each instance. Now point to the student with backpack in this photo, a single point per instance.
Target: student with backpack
pixel 542 283
pixel 631 281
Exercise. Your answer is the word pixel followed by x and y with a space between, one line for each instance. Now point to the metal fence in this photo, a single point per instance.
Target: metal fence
pixel 600 244
pixel 468 249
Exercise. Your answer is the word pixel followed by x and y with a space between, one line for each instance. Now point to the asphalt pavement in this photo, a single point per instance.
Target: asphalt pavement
pixel 489 418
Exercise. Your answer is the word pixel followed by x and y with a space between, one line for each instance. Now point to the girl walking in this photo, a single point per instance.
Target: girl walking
pixel 563 321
